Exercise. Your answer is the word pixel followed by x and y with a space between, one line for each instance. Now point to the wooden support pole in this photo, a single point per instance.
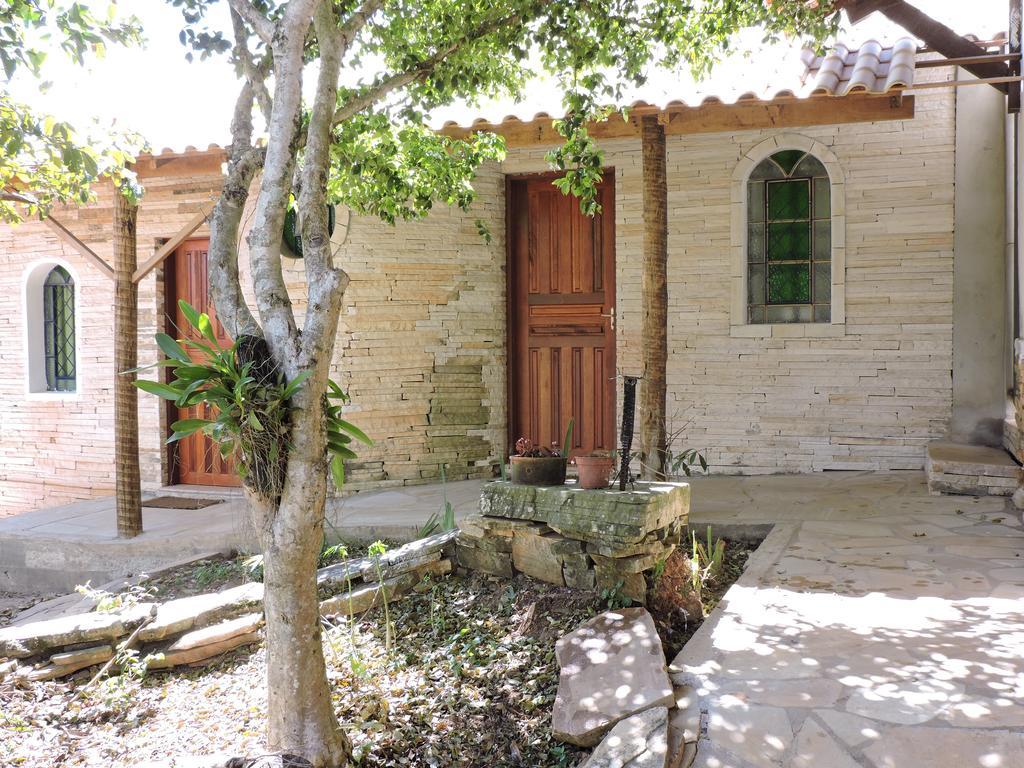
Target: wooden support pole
pixel 128 487
pixel 654 298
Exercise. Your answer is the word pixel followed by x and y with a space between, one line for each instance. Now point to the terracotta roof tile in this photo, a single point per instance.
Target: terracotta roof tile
pixel 872 68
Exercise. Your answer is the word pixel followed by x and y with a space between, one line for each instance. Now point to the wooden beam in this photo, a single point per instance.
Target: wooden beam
pixel 964 83
pixel 712 117
pixel 967 60
pixel 65 234
pixel 128 490
pixel 1014 49
pixel 171 245
pixel 654 295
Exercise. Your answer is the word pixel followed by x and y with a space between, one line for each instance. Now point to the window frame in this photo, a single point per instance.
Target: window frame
pixel 34 337
pixel 740 324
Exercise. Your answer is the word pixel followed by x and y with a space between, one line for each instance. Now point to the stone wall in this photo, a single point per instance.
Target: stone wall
pixel 421 347
pixel 869 393
pixel 57 449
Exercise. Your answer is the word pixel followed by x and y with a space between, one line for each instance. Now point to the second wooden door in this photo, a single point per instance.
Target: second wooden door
pixel 198 457
pixel 561 316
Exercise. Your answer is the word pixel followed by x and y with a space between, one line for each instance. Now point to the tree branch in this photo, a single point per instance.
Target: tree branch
pixel 265 235
pixel 357 21
pixel 421 69
pixel 326 283
pixel 263 26
pixel 255 74
pixel 14 197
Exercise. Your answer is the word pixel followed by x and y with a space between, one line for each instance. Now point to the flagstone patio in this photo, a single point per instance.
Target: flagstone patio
pixel 888 636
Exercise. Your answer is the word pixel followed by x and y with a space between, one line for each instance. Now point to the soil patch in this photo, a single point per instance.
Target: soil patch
pixel 469 681
pixel 677 610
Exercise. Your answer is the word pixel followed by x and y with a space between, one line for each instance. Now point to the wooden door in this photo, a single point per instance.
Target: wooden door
pixel 198 458
pixel 561 316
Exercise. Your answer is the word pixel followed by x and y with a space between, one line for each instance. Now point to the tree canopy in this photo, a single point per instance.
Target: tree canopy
pixel 45 161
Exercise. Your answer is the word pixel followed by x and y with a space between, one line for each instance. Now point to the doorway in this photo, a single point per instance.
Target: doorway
pixel 561 332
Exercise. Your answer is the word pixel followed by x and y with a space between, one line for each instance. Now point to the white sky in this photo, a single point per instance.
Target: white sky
pixel 174 103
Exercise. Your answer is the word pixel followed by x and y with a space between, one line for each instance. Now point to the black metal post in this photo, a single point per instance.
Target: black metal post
pixel 628 416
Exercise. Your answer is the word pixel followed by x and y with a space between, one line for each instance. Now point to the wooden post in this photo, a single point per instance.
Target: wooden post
pixel 126 404
pixel 654 298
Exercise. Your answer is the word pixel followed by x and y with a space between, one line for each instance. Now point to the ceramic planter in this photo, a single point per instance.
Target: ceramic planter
pixel 594 470
pixel 543 470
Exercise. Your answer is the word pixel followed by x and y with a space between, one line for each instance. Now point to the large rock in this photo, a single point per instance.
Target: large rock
pixel 611 668
pixel 40 636
pixel 613 519
pixel 543 555
pixel 488 561
pixel 640 741
pixel 183 614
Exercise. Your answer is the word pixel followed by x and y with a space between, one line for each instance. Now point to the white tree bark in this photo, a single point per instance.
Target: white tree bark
pixel 300 715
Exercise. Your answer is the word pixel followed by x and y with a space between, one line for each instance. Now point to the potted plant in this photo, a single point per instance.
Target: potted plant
pixel 594 469
pixel 536 465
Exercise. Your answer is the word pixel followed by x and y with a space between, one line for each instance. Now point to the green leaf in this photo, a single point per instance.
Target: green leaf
pixel 353 430
pixel 293 385
pixel 340 450
pixel 171 348
pixel 166 391
pixel 338 471
pixel 255 422
pixel 188 426
pixel 191 313
pixel 206 328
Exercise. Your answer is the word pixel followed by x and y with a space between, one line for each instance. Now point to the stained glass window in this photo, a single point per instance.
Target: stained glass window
pixel 59 330
pixel 789 240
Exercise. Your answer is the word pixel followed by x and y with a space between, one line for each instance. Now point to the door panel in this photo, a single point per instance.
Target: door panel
pixel 198 457
pixel 561 335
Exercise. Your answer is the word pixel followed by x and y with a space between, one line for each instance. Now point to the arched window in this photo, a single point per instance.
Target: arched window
pixel 789 240
pixel 59 330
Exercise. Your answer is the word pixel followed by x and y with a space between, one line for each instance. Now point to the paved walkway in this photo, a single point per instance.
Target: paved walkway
pixel 877 626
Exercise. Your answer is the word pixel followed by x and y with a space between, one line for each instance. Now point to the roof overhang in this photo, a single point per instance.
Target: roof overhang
pixel 708 117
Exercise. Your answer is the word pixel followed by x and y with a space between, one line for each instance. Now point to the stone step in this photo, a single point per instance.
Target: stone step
pixel 972 470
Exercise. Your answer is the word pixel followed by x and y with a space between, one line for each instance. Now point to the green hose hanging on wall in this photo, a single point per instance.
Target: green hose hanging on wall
pixel 292 238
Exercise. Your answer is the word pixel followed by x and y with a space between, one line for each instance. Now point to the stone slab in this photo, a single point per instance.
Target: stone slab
pixel 494 563
pixel 538 556
pixel 640 741
pixel 610 668
pixel 608 517
pixel 217 633
pixel 22 641
pixel 183 614
pixel 960 459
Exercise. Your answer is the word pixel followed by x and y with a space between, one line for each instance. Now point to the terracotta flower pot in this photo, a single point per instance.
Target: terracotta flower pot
pixel 594 470
pixel 542 470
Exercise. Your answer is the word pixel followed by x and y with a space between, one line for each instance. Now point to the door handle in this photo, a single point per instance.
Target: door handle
pixel 610 315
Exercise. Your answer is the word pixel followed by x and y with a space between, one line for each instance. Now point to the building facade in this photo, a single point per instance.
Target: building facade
pixel 838 313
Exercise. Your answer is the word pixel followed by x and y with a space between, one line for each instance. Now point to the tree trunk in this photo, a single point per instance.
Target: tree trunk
pixel 654 293
pixel 126 405
pixel 300 714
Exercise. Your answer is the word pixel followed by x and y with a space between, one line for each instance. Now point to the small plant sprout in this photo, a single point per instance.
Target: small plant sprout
pixel 376 551
pixel 445 521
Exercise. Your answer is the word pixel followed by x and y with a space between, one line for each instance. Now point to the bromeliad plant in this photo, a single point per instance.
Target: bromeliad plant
pixel 249 403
